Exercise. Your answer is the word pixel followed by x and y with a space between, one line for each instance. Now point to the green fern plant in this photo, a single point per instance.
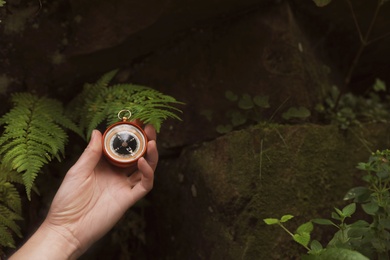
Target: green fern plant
pixel 33 135
pixel 100 102
pixel 10 208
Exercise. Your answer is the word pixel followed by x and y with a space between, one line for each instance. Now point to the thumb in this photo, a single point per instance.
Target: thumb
pixel 91 155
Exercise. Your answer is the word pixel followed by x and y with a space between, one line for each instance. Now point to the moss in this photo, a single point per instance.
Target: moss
pixel 248 175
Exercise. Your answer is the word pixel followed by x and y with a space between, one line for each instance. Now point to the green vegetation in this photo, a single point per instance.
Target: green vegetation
pixel 248 111
pixel 348 109
pixel 99 102
pixel 35 133
pixel 366 238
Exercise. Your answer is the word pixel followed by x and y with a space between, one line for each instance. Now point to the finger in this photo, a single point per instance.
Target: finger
pixel 91 155
pixel 134 178
pixel 151 158
pixel 150 132
pixel 146 183
pixel 147 174
pixel 152 154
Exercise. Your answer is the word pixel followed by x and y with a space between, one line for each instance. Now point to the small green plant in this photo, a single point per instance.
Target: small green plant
pixel 297 113
pixel 375 201
pixel 35 131
pixel 248 110
pixel 346 110
pixel 301 235
pixel 364 238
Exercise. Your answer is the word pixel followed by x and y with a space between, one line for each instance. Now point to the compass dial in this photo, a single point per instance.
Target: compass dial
pixel 124 143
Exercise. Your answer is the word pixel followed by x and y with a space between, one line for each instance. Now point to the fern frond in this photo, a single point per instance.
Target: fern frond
pixel 80 106
pixel 100 103
pixel 10 207
pixel 33 135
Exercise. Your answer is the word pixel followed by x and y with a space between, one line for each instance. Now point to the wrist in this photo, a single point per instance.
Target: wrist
pixel 49 242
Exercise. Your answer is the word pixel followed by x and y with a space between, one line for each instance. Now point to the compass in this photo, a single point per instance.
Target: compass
pixel 124 142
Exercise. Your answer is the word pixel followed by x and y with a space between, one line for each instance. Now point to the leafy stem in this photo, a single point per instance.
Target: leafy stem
pixel 293 236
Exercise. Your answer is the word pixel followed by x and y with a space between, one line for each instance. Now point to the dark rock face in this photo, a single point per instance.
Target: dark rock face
pixel 194 52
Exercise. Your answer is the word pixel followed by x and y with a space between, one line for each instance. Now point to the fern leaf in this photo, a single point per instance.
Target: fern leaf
pixel 100 103
pixel 10 207
pixel 33 135
pixel 79 106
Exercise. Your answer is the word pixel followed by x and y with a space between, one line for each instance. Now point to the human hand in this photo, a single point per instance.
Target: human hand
pixel 94 195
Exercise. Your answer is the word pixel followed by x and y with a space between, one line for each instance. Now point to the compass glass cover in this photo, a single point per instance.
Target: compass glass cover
pixel 124 142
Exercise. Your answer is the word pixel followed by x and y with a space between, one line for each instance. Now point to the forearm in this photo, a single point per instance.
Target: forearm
pixel 49 243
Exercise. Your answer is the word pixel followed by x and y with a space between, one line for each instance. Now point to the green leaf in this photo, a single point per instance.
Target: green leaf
pixel 271 221
pixel 245 102
pixel 315 246
pixel 334 215
pixel 237 118
pixel 293 112
pixel 341 254
pixel 339 212
pixel 322 221
pixel 10 208
pixel 2 3
pixel 286 218
pixel 305 228
pixel 261 101
pixel 349 210
pixel 357 193
pixel 340 238
pixel 34 134
pixel 379 85
pixel 363 166
pixel 303 239
pixel 358 232
pixel 385 223
pixel 360 223
pixel 231 96
pixel 334 94
pixel 370 208
pixel 383 174
pixel 100 102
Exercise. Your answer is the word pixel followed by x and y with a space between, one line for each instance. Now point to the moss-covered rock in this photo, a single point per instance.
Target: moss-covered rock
pixel 210 201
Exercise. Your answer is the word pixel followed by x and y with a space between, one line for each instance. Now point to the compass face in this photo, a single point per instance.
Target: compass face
pixel 124 143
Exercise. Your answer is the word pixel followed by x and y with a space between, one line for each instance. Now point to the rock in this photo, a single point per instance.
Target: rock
pixel 246 176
